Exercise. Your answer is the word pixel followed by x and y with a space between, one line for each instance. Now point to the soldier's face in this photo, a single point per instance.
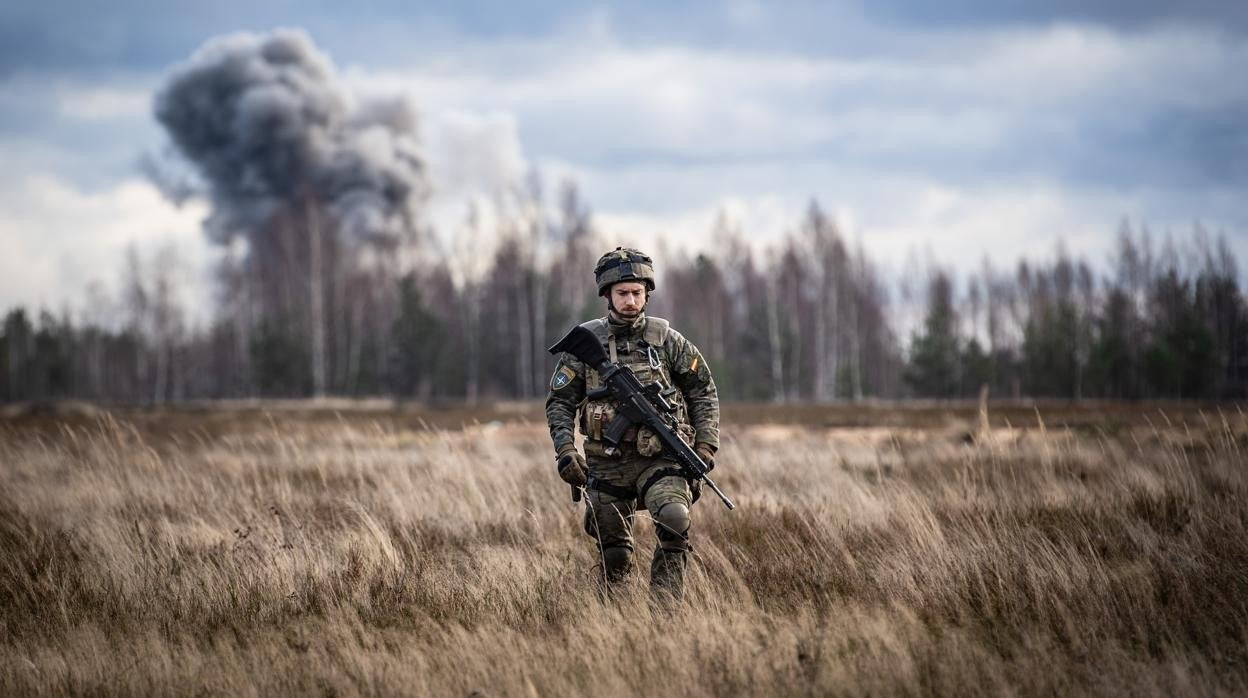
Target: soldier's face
pixel 628 298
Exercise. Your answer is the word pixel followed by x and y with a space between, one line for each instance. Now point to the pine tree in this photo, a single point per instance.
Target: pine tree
pixel 934 355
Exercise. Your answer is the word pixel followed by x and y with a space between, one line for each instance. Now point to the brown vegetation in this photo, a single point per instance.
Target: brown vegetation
pixel 352 556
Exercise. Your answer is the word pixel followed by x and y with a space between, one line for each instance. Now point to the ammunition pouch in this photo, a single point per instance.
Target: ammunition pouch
pixel 648 443
pixel 596 416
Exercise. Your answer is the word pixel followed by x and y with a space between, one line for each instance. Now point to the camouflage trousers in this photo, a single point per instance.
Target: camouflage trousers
pixel 616 486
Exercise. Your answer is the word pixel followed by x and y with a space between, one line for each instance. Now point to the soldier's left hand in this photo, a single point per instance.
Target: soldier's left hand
pixel 707 453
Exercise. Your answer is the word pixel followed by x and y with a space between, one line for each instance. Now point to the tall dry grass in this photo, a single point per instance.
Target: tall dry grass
pixel 368 559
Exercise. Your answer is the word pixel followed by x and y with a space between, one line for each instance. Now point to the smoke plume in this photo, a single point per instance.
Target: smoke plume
pixel 265 125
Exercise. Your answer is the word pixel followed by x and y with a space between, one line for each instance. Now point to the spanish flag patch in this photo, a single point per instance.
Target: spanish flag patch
pixel 694 366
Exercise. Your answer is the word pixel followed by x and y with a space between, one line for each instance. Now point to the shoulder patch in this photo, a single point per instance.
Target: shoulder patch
pixel 562 376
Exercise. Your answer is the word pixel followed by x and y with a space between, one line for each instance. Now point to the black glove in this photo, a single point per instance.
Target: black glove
pixel 571 466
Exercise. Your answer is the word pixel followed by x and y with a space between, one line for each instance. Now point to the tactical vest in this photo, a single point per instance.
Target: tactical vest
pixel 646 358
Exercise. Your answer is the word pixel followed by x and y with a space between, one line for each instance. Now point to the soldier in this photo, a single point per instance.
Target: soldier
pixel 618 479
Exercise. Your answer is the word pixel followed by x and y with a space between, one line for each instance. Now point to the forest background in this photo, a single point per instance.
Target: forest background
pixel 331 279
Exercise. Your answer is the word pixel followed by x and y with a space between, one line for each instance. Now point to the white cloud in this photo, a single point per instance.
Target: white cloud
pixel 100 103
pixel 1066 63
pixel 117 98
pixel 472 153
pixel 57 240
pixel 970 91
pixel 475 160
pixel 762 220
pixel 897 216
pixel 745 12
pixel 960 226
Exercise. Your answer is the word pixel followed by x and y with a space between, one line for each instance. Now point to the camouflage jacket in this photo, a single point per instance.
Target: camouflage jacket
pixel 654 351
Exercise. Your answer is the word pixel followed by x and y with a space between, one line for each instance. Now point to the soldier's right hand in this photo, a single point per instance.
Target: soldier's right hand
pixel 707 453
pixel 571 465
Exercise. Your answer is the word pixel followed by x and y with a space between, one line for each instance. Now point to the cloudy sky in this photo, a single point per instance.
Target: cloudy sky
pixel 962 129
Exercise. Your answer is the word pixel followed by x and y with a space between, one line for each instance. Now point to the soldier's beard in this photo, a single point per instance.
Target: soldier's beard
pixel 622 315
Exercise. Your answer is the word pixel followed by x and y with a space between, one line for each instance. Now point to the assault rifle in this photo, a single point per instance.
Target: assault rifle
pixel 637 404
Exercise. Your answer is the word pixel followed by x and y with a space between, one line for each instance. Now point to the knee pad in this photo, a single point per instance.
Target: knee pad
pixel 617 562
pixel 671 524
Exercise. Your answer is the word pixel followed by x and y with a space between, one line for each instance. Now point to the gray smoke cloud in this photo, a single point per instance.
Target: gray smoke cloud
pixel 265 125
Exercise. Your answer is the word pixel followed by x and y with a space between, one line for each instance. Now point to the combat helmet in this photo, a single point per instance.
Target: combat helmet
pixel 623 264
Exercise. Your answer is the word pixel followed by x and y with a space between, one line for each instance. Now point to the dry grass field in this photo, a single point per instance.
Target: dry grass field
pixel 875 551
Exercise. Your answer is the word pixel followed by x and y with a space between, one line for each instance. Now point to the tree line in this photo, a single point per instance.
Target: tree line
pixel 1161 322
pixel 813 318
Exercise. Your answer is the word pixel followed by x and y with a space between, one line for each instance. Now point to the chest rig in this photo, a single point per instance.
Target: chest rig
pixel 644 355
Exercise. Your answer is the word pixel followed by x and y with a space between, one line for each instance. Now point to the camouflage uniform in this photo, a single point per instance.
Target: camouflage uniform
pixel 621 477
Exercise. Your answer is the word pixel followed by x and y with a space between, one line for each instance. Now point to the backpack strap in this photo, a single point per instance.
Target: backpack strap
pixel 656 331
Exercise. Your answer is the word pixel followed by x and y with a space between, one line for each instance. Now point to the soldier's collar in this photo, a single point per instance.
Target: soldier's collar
pixel 625 328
